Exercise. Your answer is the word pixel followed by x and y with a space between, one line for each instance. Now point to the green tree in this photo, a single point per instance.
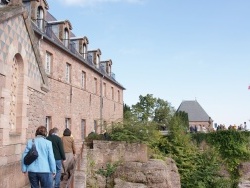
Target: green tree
pixel 184 117
pixel 151 109
pixel 144 109
pixel 163 113
pixel 127 113
pixel 197 168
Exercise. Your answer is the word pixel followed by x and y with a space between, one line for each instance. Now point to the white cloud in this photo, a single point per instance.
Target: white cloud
pixel 95 2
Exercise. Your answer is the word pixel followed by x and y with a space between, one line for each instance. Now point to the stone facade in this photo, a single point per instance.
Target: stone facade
pixel 30 96
pixel 110 151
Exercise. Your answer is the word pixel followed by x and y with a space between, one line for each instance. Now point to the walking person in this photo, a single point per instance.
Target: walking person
pixel 43 169
pixel 58 154
pixel 69 149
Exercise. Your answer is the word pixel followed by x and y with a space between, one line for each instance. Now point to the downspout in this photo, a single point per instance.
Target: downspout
pixel 101 103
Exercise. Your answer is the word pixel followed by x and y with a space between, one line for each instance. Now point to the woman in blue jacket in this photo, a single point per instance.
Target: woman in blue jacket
pixel 43 169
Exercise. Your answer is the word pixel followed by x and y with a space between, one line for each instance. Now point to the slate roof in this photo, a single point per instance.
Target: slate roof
pixel 49 35
pixel 194 110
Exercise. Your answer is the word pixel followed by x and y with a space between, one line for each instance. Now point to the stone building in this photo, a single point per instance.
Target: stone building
pixel 48 76
pixel 197 116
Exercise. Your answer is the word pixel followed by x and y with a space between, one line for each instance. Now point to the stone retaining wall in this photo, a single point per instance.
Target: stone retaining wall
pixel 110 151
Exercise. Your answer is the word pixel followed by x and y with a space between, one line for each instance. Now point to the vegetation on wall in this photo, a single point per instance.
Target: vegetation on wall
pixel 199 157
pixel 232 145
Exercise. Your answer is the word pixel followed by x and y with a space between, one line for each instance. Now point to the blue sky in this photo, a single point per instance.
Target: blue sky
pixel 174 49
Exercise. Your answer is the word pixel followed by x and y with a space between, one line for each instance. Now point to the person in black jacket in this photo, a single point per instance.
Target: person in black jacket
pixel 58 153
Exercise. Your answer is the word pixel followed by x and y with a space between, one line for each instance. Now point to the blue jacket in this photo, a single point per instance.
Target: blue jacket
pixel 45 161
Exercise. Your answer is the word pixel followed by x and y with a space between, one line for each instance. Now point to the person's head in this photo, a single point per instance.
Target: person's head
pixel 56 130
pixel 51 131
pixel 66 132
pixel 41 131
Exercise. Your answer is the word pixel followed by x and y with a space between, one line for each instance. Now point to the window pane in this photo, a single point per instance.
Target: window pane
pixel 48 63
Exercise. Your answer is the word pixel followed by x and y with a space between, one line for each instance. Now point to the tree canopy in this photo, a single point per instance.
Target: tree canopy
pixel 150 109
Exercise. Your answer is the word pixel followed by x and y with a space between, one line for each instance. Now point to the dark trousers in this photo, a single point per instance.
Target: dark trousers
pixel 44 179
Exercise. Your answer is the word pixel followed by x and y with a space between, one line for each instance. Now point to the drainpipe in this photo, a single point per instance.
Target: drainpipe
pixel 101 102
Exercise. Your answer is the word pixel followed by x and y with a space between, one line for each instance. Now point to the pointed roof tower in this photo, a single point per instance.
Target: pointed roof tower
pixel 194 110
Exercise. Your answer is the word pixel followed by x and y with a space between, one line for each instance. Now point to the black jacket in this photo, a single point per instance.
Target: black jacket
pixel 57 147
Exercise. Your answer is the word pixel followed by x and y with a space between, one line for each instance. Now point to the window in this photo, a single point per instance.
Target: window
pixel 109 69
pixel 67 123
pixel 66 38
pixel 48 123
pixel 104 90
pixel 95 85
pixel 97 61
pixel 40 17
pixel 118 94
pixel 112 93
pixel 95 126
pixel 68 72
pixel 48 62
pixel 83 128
pixel 83 80
pixel 84 51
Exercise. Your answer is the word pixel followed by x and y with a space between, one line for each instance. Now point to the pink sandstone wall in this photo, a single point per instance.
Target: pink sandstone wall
pixel 62 101
pixel 110 151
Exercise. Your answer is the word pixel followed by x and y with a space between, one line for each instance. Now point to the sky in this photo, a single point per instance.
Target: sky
pixel 175 50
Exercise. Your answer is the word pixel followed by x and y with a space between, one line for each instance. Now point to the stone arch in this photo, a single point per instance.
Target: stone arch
pixel 16 93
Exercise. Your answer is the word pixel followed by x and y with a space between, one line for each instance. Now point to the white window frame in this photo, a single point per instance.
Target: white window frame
pixel 47 122
pixel 104 89
pixel 83 80
pixel 67 123
pixel 66 38
pixel 112 93
pixel 48 62
pixel 95 126
pixel 83 128
pixel 95 85
pixel 97 61
pixel 68 73
pixel 40 17
pixel 118 95
pixel 84 51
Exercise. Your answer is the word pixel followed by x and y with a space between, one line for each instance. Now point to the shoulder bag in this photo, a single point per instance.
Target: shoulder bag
pixel 32 155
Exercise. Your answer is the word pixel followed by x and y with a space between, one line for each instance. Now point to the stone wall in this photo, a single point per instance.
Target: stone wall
pixel 110 151
pixel 11 176
pixel 135 170
pixel 25 101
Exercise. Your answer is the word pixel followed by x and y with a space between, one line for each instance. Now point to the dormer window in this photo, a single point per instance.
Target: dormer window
pixel 108 67
pixel 97 61
pixel 40 17
pixel 96 56
pixel 66 37
pixel 84 51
